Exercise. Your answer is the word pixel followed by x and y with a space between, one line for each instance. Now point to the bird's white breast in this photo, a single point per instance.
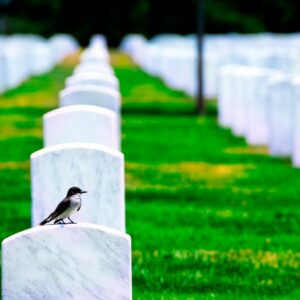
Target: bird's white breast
pixel 75 201
pixel 74 205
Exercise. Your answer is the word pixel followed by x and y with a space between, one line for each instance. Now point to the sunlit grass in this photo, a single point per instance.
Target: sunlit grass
pixel 209 216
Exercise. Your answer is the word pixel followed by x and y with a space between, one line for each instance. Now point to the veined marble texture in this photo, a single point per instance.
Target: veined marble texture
pixel 67 262
pixel 99 170
pixel 94 78
pixel 83 124
pixel 91 95
pixel 92 67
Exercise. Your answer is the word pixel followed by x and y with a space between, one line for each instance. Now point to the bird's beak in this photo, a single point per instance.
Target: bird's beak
pixel 83 192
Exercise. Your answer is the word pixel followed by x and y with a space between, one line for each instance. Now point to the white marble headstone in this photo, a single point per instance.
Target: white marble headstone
pixel 256 107
pixel 95 55
pixel 3 74
pixel 83 124
pixel 241 86
pixel 97 169
pixel 91 95
pixel 227 94
pixel 76 262
pixel 296 123
pixel 280 99
pixel 93 78
pixel 92 67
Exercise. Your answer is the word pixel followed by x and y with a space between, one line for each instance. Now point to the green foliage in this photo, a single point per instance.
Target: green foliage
pixel 118 18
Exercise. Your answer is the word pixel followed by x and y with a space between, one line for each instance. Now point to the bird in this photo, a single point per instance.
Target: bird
pixel 70 204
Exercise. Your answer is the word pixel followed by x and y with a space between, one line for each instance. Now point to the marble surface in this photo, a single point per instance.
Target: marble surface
pixel 91 95
pixel 257 132
pixel 296 123
pixel 280 98
pixel 93 55
pixel 81 123
pixel 92 67
pixel 97 169
pixel 226 94
pixel 94 78
pixel 2 72
pixel 76 262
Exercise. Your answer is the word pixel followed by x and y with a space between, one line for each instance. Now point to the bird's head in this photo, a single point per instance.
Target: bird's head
pixel 74 191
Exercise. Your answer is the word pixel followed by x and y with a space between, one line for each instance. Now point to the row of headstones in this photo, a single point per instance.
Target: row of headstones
pixel 22 56
pixel 90 260
pixel 263 106
pixel 174 57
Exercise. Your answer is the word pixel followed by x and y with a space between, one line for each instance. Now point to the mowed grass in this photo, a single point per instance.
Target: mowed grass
pixel 209 216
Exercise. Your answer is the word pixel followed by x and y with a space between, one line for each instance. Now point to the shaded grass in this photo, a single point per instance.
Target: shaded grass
pixel 210 217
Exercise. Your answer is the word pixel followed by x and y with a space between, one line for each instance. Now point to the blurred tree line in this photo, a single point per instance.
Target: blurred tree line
pixel 116 18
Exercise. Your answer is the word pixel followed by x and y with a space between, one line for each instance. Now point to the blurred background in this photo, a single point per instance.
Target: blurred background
pixel 149 17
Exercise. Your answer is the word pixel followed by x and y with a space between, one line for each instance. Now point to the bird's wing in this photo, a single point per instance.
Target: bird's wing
pixel 62 206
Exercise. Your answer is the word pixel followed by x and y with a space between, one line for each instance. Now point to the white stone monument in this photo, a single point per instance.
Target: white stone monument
pixel 256 107
pixel 95 55
pixel 93 78
pixel 296 123
pixel 92 67
pixel 226 94
pixel 91 95
pixel 83 124
pixel 78 262
pixel 97 169
pixel 241 86
pixel 279 115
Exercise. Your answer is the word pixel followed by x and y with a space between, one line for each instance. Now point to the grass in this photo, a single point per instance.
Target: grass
pixel 209 216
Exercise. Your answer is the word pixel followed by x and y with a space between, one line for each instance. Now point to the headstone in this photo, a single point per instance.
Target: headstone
pixel 226 94
pixel 97 169
pixel 256 107
pixel 279 115
pixel 91 95
pixel 242 87
pixel 3 75
pixel 296 123
pixel 95 68
pixel 82 261
pixel 42 59
pixel 93 55
pixel 83 124
pixel 104 80
pixel 62 45
pixel 98 40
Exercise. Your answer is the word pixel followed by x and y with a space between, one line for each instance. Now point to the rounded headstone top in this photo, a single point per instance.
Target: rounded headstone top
pixel 89 88
pixel 79 108
pixel 80 226
pixel 77 146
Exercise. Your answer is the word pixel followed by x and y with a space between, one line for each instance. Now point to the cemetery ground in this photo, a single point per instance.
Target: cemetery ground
pixel 209 216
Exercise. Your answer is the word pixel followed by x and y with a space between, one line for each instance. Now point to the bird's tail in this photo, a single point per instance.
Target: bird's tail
pixel 49 219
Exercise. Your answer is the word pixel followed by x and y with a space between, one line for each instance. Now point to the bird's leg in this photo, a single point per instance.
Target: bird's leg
pixel 71 221
pixel 59 221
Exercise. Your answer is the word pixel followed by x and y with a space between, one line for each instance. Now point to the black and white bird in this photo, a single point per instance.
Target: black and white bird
pixel 66 207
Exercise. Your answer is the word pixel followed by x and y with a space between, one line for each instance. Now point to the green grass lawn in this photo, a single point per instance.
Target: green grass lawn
pixel 209 216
